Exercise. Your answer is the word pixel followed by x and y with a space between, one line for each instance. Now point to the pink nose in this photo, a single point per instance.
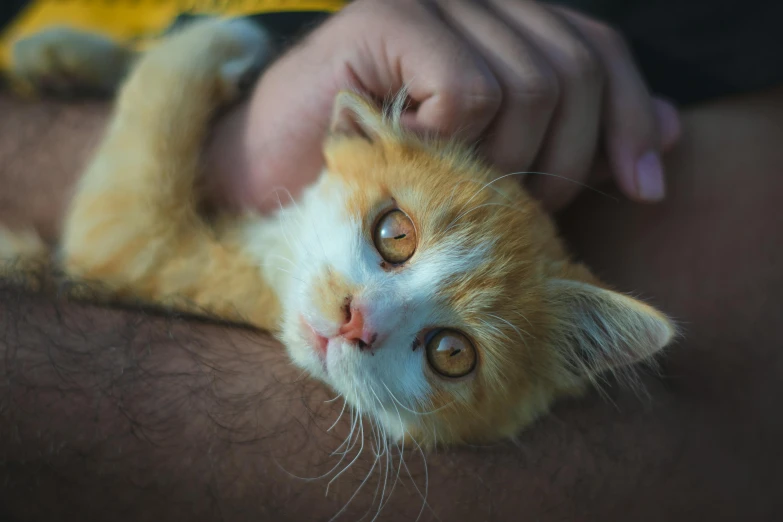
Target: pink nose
pixel 355 330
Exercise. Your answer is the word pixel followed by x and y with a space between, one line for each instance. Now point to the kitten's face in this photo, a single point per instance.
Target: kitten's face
pixel 433 299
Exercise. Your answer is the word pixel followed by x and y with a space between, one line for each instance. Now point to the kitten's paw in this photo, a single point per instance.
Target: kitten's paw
pixel 66 62
pixel 227 52
pixel 23 255
pixel 25 244
pixel 252 52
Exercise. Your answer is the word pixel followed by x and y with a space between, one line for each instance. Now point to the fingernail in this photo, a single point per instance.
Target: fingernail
pixel 649 177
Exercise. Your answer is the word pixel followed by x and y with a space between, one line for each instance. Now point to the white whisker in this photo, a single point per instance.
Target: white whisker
pixel 465 213
pixel 497 330
pixel 409 410
pixel 333 398
pixel 399 469
pixel 355 414
pixel 426 478
pixel 520 314
pixel 515 328
pixel 345 403
pixel 360 485
pixel 283 258
pixel 361 449
pixel 386 450
pixel 281 269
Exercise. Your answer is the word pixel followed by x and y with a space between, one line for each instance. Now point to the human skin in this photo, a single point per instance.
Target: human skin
pixel 534 86
pixel 125 415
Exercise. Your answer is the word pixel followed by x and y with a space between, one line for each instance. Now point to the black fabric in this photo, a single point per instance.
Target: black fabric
pixel 286 27
pixel 9 9
pixel 694 50
pixel 289 26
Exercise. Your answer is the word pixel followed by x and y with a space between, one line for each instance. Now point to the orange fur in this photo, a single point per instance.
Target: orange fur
pixel 133 224
pixel 542 326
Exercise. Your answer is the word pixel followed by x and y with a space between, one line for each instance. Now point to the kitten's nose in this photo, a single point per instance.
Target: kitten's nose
pixel 355 330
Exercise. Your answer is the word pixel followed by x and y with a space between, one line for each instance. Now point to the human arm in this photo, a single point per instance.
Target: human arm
pixel 44 147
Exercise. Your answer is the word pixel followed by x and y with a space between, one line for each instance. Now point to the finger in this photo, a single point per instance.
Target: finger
pixel 452 89
pixel 631 131
pixel 671 130
pixel 572 140
pixel 668 123
pixel 529 86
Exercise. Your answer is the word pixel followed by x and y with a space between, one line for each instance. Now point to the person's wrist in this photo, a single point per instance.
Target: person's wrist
pixel 274 138
pixel 224 157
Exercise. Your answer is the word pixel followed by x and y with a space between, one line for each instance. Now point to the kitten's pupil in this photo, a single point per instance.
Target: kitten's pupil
pixel 401 236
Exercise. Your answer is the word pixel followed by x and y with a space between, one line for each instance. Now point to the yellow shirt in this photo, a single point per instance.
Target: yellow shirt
pixel 137 22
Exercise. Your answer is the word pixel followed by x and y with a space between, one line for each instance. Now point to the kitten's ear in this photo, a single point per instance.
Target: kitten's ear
pixel 600 329
pixel 353 115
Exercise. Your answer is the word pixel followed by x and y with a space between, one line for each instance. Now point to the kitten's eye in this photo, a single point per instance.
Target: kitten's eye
pixel 450 353
pixel 395 237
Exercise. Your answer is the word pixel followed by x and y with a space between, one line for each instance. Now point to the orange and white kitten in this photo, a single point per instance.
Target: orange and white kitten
pixel 426 288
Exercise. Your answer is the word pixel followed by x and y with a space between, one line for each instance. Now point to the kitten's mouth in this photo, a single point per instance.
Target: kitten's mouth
pixel 319 343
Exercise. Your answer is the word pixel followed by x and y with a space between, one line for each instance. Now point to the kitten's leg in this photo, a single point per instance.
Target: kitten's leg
pixel 68 62
pixel 133 223
pixel 24 258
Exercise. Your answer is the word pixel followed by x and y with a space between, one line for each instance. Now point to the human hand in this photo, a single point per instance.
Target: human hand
pixel 542 88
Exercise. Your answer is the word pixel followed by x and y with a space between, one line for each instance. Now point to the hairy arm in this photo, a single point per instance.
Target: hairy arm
pixel 43 148
pixel 122 415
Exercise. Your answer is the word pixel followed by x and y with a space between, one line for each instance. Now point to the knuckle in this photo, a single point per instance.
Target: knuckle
pixel 475 100
pixel 540 89
pixel 480 94
pixel 580 64
pixel 610 37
